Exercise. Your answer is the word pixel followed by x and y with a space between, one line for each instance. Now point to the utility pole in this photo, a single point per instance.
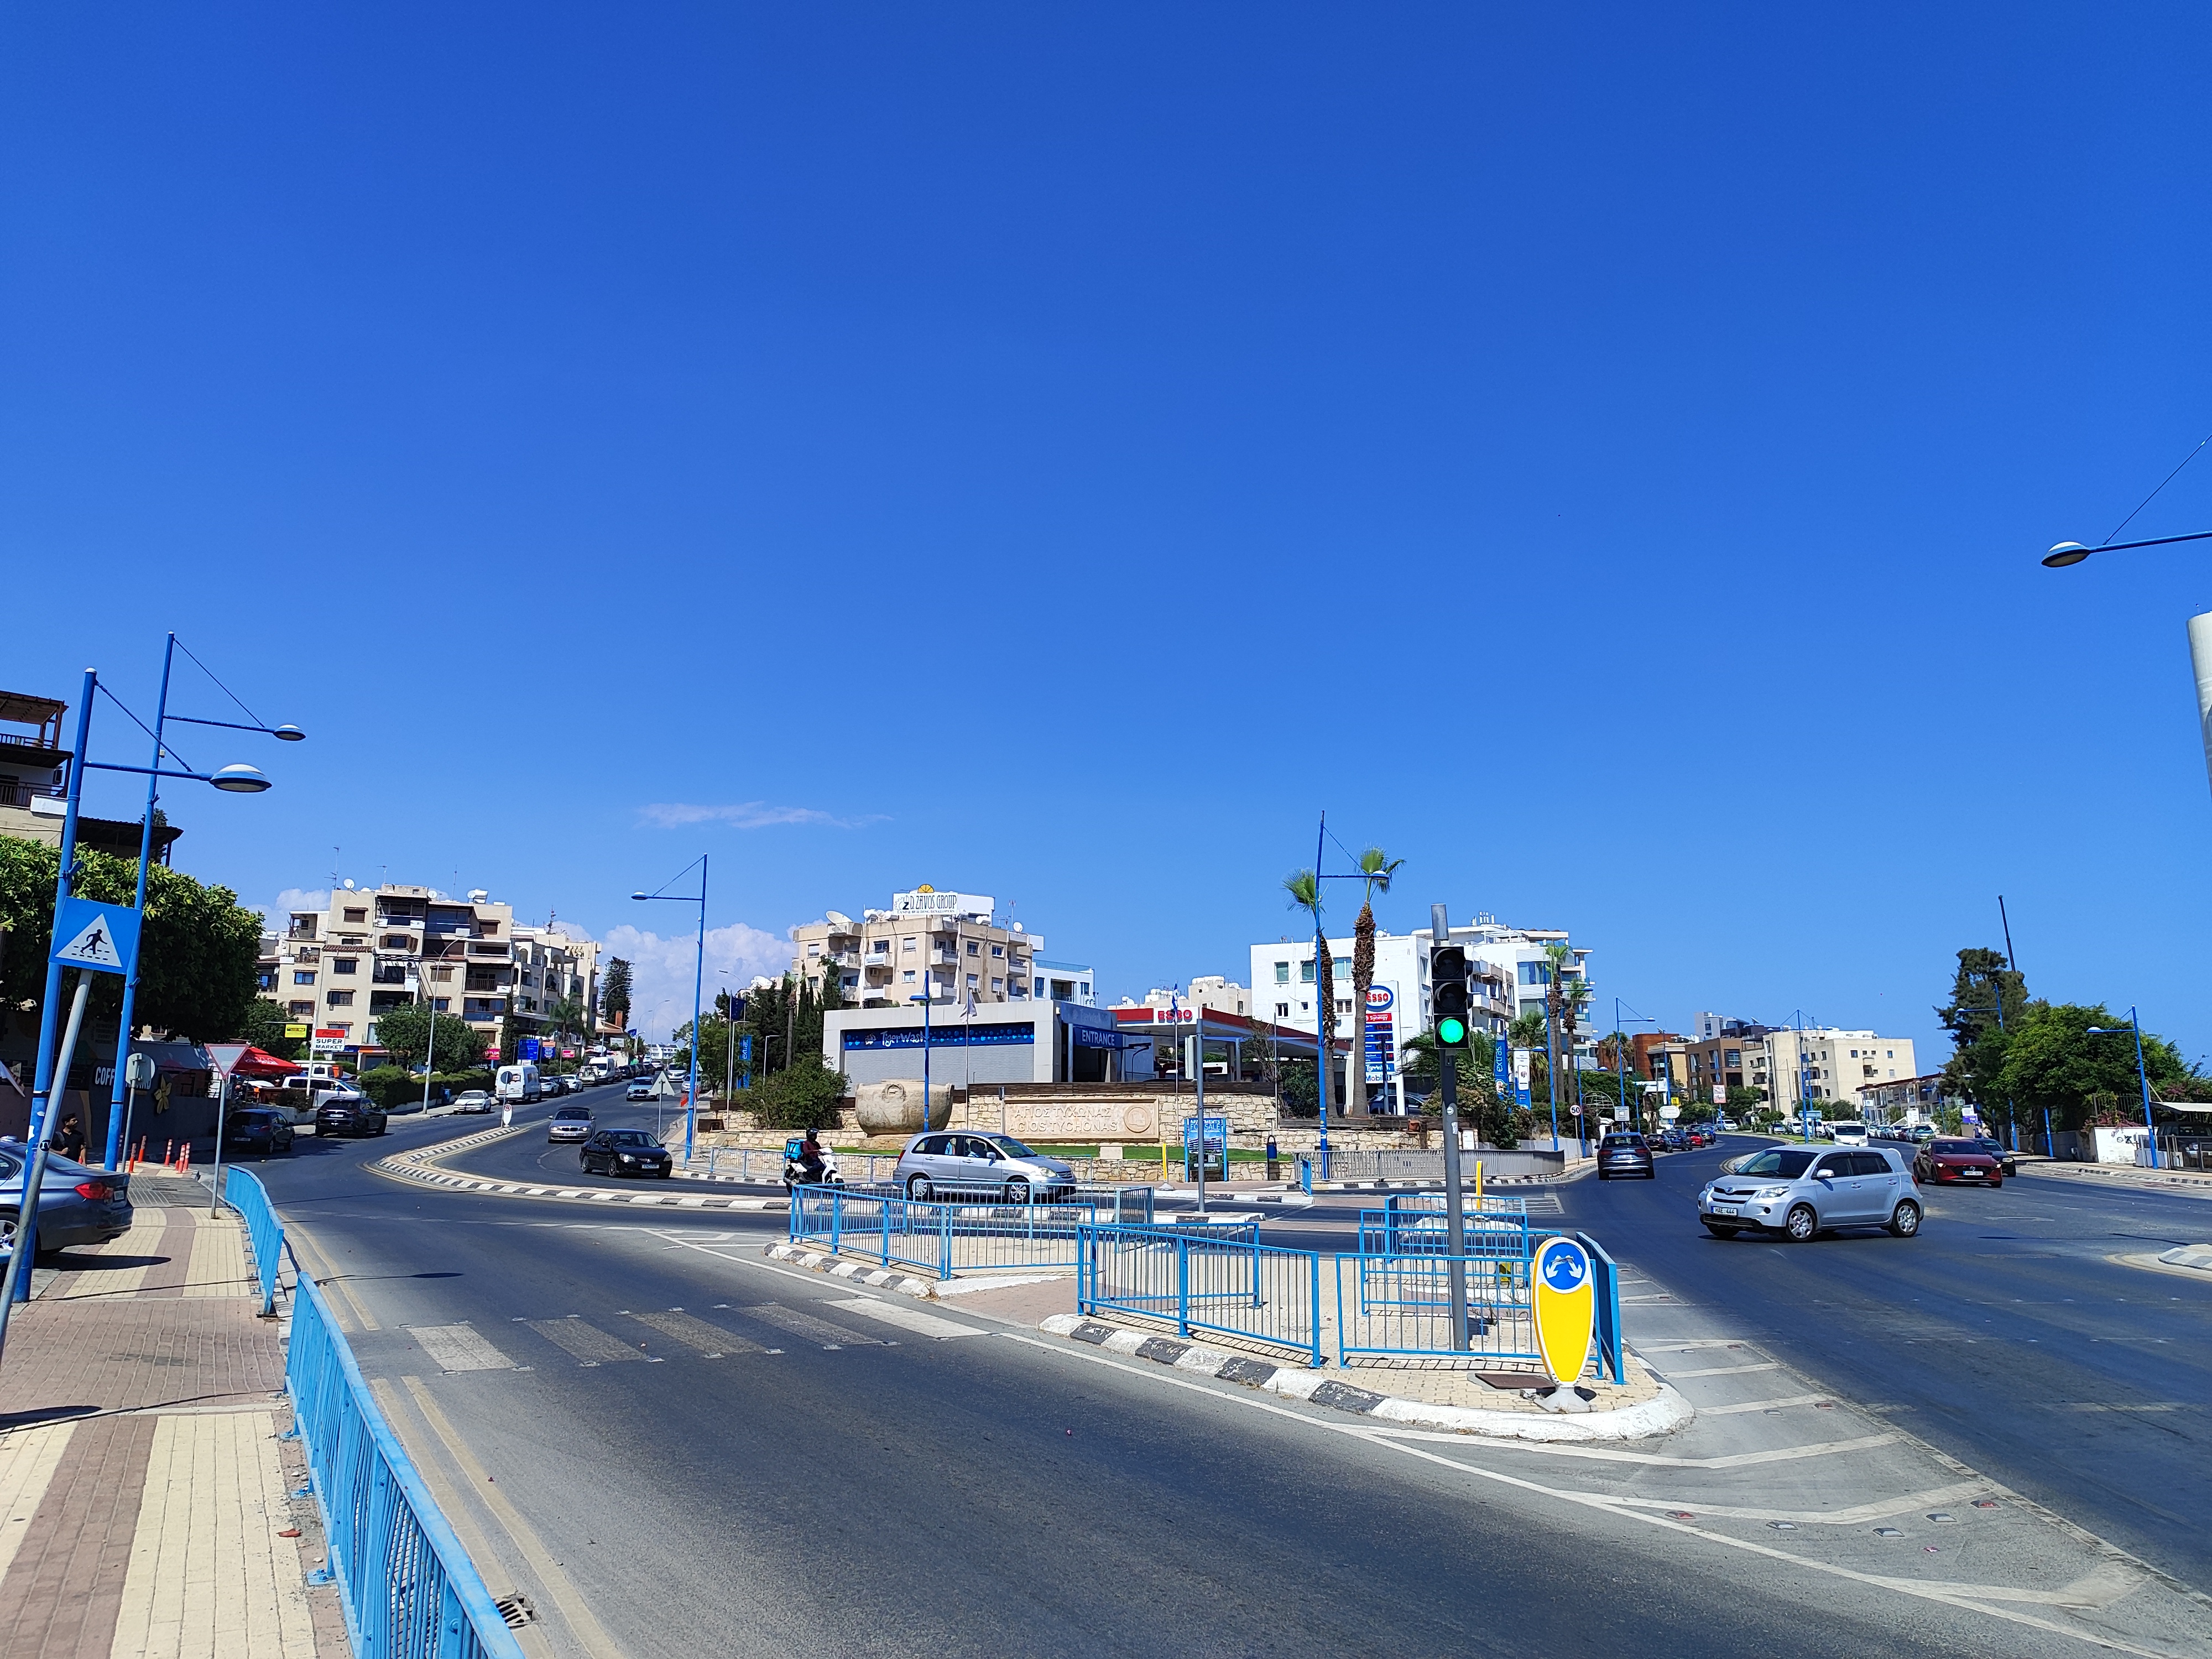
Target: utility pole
pixel 1448 999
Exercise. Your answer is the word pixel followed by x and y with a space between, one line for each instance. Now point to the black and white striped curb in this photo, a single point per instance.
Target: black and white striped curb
pixel 422 1167
pixel 1666 1414
pixel 859 1272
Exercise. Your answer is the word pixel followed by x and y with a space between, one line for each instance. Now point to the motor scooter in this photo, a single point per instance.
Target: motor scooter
pixel 794 1169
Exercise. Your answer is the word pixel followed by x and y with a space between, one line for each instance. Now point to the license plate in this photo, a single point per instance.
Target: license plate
pixel 1725 1209
pixel 1970 1174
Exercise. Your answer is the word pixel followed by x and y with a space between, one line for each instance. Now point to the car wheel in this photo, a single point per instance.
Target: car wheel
pixel 1018 1192
pixel 1719 1231
pixel 1802 1224
pixel 1602 1176
pixel 1904 1220
pixel 918 1189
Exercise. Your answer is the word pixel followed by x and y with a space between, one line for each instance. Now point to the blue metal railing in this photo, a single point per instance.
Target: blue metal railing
pixel 945 1238
pixel 1417 1229
pixel 245 1194
pixel 409 1588
pixel 1220 1279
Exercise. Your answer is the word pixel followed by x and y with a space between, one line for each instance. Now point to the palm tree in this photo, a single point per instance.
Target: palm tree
pixel 565 1016
pixel 1304 889
pixel 1569 994
pixel 1375 871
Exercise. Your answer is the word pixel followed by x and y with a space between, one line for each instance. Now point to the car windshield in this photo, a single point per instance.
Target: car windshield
pixel 1956 1148
pixel 1010 1146
pixel 1623 1140
pixel 631 1137
pixel 1787 1161
pixel 574 1115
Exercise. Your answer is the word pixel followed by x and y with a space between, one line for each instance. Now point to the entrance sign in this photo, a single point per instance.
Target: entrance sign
pixel 1563 1293
pixel 102 937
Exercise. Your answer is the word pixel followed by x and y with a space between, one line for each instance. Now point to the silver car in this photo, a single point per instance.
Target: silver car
pixel 971 1164
pixel 1801 1192
pixel 569 1123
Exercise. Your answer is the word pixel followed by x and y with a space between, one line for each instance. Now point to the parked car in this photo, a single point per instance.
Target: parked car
pixel 569 1123
pixel 1626 1153
pixel 1948 1162
pixel 1801 1192
pixel 259 1129
pixel 77 1204
pixel 2006 1161
pixel 640 1090
pixel 981 1166
pixel 472 1100
pixel 625 1152
pixel 1701 1136
pixel 349 1115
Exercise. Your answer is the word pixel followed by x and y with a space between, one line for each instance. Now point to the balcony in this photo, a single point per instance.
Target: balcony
pixel 498 952
pixel 390 974
pixel 23 794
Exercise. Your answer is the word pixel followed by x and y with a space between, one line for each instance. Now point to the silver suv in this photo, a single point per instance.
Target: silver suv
pixel 975 1165
pixel 1803 1191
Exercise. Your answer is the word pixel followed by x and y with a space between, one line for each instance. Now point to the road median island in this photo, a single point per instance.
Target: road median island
pixel 426 1167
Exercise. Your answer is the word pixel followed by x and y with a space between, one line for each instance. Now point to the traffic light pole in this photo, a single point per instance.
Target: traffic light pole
pixel 1454 1221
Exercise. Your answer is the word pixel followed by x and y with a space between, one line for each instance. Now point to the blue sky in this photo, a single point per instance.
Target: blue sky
pixel 1599 454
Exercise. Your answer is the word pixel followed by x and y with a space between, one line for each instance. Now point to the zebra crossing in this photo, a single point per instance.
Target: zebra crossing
pixel 653 1336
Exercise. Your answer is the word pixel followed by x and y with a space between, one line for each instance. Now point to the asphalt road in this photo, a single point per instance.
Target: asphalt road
pixel 832 1481
pixel 2004 1334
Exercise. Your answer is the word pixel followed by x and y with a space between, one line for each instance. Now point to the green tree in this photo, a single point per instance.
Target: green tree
pixel 263 1025
pixel 1375 871
pixel 1496 1121
pixel 1301 1088
pixel 615 993
pixel 406 1031
pixel 1304 889
pixel 804 1095
pixel 2052 1063
pixel 197 951
pixel 1989 1001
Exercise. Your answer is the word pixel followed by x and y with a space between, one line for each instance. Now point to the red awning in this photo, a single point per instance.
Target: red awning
pixel 259 1062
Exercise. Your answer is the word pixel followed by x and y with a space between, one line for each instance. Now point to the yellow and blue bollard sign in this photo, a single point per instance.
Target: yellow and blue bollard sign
pixel 1563 1295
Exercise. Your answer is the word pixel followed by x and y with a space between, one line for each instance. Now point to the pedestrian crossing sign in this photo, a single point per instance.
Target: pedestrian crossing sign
pixel 102 937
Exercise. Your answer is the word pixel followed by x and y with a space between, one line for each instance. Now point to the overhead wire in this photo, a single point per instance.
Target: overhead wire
pixel 2152 496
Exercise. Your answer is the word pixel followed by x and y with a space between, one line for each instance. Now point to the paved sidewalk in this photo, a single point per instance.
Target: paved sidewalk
pixel 144 1492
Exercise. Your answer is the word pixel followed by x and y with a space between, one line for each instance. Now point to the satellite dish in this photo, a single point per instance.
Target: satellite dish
pixel 833 917
pixel 349 887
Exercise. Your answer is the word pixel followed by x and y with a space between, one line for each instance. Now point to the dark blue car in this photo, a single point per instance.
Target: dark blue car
pixel 77 1204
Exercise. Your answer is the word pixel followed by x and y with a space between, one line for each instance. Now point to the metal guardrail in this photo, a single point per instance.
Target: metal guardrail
pixel 1427 1232
pixel 245 1194
pixel 408 1587
pixel 941 1237
pixel 1398 1302
pixel 1223 1280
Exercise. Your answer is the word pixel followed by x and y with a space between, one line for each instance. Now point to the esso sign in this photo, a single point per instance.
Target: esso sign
pixel 1381 998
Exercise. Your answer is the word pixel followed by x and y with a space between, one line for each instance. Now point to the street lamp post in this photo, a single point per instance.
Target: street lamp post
pixel 924 1000
pixel 2135 1027
pixel 698 979
pixel 1620 1060
pixel 119 1100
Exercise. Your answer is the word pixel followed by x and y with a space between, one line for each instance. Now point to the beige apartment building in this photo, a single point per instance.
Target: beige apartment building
pixel 948 947
pixel 1787 1065
pixel 333 970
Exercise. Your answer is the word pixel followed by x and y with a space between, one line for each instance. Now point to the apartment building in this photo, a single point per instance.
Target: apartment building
pixel 947 947
pixel 551 967
pixel 334 969
pixel 1212 992
pixel 34 785
pixel 1788 1065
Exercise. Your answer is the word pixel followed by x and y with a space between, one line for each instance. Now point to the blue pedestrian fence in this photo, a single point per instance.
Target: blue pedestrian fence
pixel 1218 1279
pixel 408 1590
pixel 245 1194
pixel 943 1237
pixel 1397 1304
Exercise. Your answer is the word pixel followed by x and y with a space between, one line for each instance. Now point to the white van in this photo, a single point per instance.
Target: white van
pixel 516 1084
pixel 1847 1134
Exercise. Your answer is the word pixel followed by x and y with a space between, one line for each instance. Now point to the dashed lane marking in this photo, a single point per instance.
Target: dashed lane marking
pixel 587 1343
pixel 458 1349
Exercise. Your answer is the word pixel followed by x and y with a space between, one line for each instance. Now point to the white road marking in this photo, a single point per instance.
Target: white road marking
pixel 907 1317
pixel 1880 1508
pixel 459 1348
pixel 1761 1405
pixel 1725 1370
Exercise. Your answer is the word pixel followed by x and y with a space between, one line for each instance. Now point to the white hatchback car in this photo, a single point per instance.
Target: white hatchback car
pixel 1801 1192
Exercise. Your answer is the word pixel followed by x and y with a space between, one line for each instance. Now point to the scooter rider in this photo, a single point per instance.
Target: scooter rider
pixel 811 1160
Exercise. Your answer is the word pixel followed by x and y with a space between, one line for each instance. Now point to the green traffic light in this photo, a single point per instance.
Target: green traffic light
pixel 1451 1032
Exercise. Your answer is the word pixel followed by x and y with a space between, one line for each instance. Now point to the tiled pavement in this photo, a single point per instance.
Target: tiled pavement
pixel 144 1490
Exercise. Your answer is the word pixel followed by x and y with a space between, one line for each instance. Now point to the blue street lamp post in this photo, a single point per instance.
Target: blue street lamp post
pixel 2135 1027
pixel 924 1000
pixel 285 733
pixel 698 980
pixel 233 780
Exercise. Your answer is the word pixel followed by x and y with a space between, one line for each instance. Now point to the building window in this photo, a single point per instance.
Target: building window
pixel 997 950
pixel 300 1010
pixel 1341 967
pixel 441 1004
pixel 906 947
pixel 998 988
pixel 1282 972
pixel 1536 972
pixel 299 978
pixel 879 947
pixel 1039 987
pixel 1344 1004
pixel 487 930
pixel 356 915
pixel 1306 972
pixel 1282 1010
pixel 850 982
pixel 340 999
pixel 1085 988
pixel 974 949
pixel 907 978
pixel 344 964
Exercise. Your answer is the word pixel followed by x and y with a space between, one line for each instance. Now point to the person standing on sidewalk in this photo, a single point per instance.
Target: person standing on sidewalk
pixel 69 1140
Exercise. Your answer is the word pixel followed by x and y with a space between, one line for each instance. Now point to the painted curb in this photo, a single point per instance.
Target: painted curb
pixel 1667 1414
pixel 859 1273
pixel 421 1168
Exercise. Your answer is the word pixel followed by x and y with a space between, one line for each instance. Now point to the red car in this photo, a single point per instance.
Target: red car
pixel 1957 1163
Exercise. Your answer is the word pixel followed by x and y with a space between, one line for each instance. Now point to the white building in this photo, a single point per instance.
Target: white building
pixel 1513 971
pixel 1835 1065
pixel 948 947
pixel 1211 992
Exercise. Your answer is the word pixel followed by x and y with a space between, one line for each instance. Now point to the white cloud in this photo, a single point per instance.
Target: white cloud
pixel 296 898
pixel 662 968
pixel 742 815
